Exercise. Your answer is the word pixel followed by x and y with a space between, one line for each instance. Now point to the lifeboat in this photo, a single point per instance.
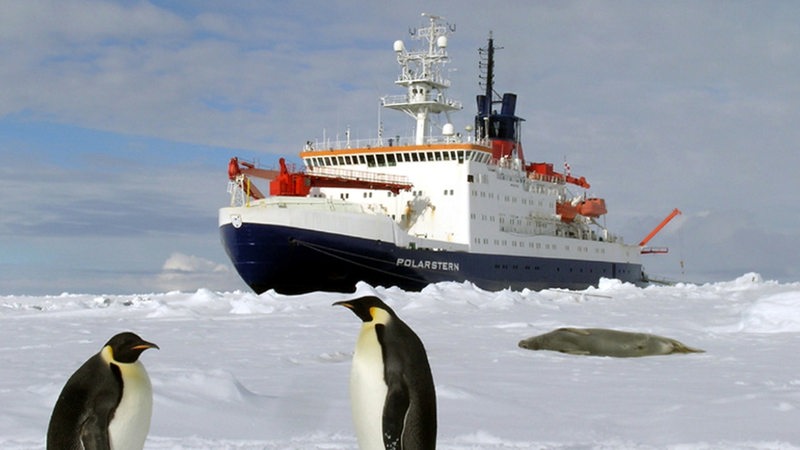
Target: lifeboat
pixel 592 207
pixel 567 211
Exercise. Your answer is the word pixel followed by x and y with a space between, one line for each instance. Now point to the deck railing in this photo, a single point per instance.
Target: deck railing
pixel 394 141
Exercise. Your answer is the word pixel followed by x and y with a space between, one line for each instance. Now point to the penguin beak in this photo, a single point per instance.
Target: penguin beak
pixel 144 346
pixel 345 303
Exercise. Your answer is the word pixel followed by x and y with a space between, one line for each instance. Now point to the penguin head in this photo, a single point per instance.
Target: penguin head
pixel 368 309
pixel 126 347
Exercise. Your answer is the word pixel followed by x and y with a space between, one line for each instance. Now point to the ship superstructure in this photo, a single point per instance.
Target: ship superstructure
pixel 436 206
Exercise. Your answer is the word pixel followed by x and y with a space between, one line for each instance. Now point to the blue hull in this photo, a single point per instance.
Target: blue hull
pixel 296 261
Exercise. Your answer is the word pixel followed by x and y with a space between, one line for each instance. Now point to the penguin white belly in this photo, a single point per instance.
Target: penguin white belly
pixel 368 390
pixel 131 423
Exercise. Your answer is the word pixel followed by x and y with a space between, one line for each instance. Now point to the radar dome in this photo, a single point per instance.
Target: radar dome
pixel 441 41
pixel 398 46
pixel 448 129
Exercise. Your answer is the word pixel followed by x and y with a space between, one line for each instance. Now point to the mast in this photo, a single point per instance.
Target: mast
pixel 422 76
pixel 502 129
pixel 486 66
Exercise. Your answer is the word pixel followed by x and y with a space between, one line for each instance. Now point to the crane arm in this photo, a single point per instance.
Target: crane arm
pixel 663 223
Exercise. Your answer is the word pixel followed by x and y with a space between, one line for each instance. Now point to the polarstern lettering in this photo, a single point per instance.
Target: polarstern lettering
pixel 428 264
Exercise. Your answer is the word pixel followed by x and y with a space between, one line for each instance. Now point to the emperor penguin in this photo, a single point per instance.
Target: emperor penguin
pixel 392 394
pixel 107 402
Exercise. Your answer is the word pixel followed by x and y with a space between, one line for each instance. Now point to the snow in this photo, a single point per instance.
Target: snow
pixel 242 371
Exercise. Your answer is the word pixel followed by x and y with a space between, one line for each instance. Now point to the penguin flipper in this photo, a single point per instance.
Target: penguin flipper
pixel 94 434
pixel 395 410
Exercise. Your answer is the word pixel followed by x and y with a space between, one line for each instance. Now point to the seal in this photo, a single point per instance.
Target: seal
pixel 605 342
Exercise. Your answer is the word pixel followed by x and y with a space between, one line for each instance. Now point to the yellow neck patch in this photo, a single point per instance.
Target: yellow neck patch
pixel 379 315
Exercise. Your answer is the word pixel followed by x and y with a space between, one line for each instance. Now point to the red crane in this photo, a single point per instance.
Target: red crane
pixel 655 231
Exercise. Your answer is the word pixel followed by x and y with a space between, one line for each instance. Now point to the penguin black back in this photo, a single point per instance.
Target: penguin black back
pixel 409 409
pixel 88 402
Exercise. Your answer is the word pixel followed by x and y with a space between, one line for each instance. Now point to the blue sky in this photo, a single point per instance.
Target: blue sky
pixel 117 120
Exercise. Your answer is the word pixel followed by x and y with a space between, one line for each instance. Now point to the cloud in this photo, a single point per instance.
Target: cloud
pixel 180 263
pixel 189 272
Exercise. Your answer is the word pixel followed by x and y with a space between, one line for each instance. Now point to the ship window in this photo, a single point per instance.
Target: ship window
pixel 341 160
pixel 430 156
pixel 371 160
pixel 446 156
pixel 422 156
pixel 470 178
pixel 348 160
pixel 381 160
pixel 415 157
pixel 390 159
pixel 327 161
pixel 438 156
pixel 361 159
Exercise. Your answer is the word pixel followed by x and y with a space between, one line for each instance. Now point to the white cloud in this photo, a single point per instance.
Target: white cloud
pixel 181 263
pixel 182 272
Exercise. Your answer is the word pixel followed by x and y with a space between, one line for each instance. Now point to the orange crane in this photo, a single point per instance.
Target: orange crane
pixel 655 231
pixel 292 183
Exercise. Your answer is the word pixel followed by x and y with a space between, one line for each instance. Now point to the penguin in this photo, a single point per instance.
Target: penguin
pixel 107 402
pixel 392 394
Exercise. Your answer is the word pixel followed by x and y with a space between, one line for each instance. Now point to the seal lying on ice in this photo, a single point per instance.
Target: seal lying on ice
pixel 605 342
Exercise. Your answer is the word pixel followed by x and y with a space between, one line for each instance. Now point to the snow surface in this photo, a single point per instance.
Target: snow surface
pixel 241 371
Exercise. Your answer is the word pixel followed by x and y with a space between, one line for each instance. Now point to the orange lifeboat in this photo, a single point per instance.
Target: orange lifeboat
pixel 592 207
pixel 567 211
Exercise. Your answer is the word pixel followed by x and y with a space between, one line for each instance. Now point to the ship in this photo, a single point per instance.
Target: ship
pixel 436 206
